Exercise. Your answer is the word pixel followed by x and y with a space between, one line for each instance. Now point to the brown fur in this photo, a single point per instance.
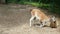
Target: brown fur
pixel 39 13
pixel 53 24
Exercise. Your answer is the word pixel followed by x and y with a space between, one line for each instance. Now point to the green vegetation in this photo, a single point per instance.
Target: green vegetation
pixel 51 5
pixel 35 4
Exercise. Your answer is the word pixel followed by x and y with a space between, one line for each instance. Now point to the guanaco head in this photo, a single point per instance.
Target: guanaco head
pixel 53 23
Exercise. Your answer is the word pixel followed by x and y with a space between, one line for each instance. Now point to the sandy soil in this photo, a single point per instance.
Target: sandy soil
pixel 14 19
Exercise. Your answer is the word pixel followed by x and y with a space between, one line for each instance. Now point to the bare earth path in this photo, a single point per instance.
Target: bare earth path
pixel 14 19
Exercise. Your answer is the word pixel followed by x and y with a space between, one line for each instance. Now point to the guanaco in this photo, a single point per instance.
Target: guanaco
pixel 42 17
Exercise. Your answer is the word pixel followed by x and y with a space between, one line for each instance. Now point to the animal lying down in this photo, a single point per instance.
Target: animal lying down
pixel 43 18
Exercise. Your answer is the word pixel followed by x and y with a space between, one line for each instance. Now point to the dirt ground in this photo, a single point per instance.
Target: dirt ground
pixel 14 19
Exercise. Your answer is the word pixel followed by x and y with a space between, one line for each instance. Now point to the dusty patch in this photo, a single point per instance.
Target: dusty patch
pixel 14 19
